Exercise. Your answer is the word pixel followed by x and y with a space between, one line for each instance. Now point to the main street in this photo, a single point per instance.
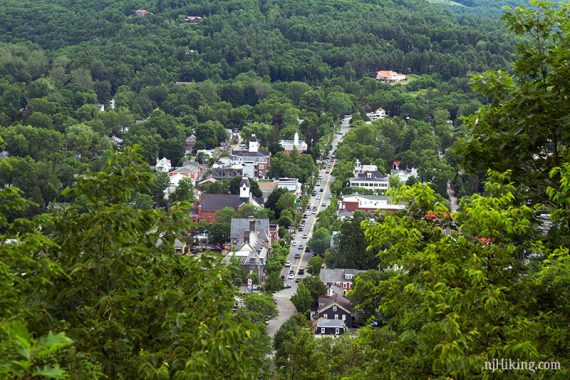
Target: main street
pixel 319 201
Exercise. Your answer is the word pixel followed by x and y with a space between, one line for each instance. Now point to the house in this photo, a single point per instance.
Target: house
pixel 403 174
pixel 180 247
pixel 380 113
pixel 340 278
pixel 190 142
pixel 209 204
pixel 191 170
pixel 291 184
pixel 389 76
pixel 330 327
pixel 267 188
pixel 250 241
pixel 252 259
pixel 289 145
pixel 163 165
pixel 194 19
pixel 142 13
pixel 336 307
pixel 369 203
pixel 116 141
pixel 368 177
pixel 200 185
pixel 249 230
pixel 255 163
pixel 226 168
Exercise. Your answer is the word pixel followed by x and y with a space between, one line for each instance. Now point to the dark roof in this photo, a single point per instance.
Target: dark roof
pixel 244 181
pixel 240 225
pixel 375 175
pixel 247 153
pixel 328 301
pixel 253 138
pixel 216 202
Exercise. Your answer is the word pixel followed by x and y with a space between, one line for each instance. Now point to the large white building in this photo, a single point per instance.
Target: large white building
pixel 368 177
pixel 289 145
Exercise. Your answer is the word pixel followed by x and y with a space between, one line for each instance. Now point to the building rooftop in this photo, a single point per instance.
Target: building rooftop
pixel 333 323
pixel 216 202
pixel 336 275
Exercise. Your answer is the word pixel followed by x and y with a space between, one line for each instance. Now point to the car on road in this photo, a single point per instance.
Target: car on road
pixel 301 270
pixel 291 276
pixel 297 280
pixel 287 286
pixel 287 263
pixel 301 246
pixel 315 191
pixel 294 243
pixel 321 191
pixel 305 236
pixel 297 255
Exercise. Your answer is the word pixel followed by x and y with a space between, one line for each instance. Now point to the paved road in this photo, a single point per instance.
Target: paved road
pixel 321 200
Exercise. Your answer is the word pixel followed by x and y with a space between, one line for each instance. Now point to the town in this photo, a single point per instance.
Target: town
pixel 228 189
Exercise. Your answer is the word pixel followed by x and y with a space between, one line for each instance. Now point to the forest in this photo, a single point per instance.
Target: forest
pixel 89 285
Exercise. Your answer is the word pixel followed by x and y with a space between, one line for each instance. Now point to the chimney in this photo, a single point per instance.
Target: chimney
pixel 245 237
pixel 251 224
pixel 330 291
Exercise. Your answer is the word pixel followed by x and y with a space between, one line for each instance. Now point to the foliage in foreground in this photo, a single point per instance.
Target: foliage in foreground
pixel 104 273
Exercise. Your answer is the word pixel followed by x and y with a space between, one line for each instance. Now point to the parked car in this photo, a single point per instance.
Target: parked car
pixel 305 236
pixel 287 263
pixel 287 286
pixel 301 270
pixel 297 279
pixel 291 276
pixel 297 255
pixel 315 191
pixel 301 246
pixel 321 190
pixel 293 243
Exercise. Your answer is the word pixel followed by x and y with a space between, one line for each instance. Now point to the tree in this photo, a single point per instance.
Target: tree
pixel 316 288
pixel 527 109
pixel 320 241
pixel 315 265
pixel 350 249
pixel 259 307
pixel 273 199
pixel 184 191
pixel 302 299
pixel 475 286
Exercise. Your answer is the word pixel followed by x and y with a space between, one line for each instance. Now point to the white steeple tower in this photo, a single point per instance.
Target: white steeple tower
pixel 296 139
pixel 245 189
pixel 253 144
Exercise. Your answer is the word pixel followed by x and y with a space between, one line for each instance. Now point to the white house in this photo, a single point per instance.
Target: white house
pixel 380 113
pixel 163 165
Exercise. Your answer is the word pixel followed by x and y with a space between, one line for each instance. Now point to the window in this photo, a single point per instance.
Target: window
pixel 344 317
pixel 334 308
pixel 325 316
pixel 336 316
pixel 336 331
pixel 323 330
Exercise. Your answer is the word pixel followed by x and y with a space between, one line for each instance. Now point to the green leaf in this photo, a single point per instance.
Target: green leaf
pixel 50 372
pixel 51 343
